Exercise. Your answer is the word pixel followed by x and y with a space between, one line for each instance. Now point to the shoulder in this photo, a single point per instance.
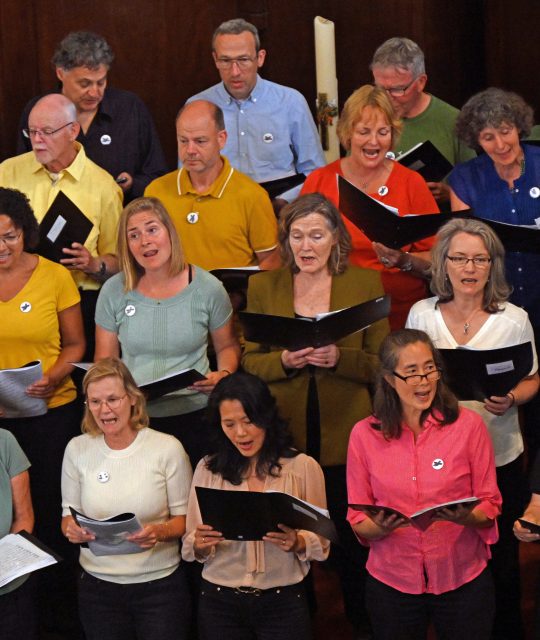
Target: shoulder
pixel 214 93
pixel 366 429
pixel 161 441
pixel 241 181
pixel 269 279
pixel 513 313
pixel 101 179
pixel 165 183
pixel 292 96
pixel 301 461
pixel 207 280
pixel 122 98
pixel 443 107
pixel 358 274
pixel 81 444
pixel 466 170
pixel 114 286
pixel 16 162
pixel 8 443
pixel 427 305
pixel 405 175
pixel 470 420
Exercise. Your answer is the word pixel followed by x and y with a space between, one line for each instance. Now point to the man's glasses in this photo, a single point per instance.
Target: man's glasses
pixel 244 62
pixel 44 133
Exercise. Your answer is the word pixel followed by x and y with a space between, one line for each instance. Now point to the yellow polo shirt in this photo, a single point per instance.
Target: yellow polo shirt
pixel 222 227
pixel 91 188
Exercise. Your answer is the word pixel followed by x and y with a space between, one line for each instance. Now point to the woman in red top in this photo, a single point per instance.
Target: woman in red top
pixel 419 450
pixel 368 129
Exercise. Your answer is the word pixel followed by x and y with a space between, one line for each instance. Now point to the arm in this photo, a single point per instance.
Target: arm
pixel 268 260
pixel 521 394
pixel 227 355
pixel 80 259
pixel 23 513
pixel 107 344
pixel 73 345
pixel 532 514
pixel 456 204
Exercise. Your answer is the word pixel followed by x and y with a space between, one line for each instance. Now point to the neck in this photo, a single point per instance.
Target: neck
pixel 62 163
pixel 411 417
pixel 121 440
pixel 465 305
pixel 309 280
pixel 513 171
pixel 203 181
pixel 363 176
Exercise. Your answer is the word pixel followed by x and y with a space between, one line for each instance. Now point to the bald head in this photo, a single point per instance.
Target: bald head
pixel 201 136
pixel 53 128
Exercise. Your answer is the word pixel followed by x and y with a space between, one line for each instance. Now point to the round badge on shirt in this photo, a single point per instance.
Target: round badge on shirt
pixel 103 476
pixel 382 191
pixel 437 464
pixel 268 137
pixel 534 192
pixel 130 310
pixel 25 307
pixel 390 155
pixel 193 217
pixel 105 139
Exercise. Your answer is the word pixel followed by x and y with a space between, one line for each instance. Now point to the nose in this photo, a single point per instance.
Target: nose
pixel 499 142
pixel 240 430
pixel 235 68
pixel 469 265
pixel 306 243
pixel 191 146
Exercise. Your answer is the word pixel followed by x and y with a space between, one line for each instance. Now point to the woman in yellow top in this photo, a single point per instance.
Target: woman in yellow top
pixel 41 320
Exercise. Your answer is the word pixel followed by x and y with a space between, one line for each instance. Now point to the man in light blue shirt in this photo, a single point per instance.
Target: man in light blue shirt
pixel 271 133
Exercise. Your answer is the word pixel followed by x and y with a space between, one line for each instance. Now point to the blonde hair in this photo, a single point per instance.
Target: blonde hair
pixel 366 96
pixel 114 368
pixel 131 268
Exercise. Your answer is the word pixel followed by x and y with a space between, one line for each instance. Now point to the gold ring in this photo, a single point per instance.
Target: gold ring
pixel 204 539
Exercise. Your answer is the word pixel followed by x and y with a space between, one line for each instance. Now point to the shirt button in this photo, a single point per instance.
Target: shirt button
pixel 520 269
pixel 521 288
pixel 241 111
pixel 513 210
pixel 517 190
pixel 254 99
pixel 414 477
pixel 242 133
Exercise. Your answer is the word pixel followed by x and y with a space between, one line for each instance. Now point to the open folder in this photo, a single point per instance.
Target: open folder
pixel 22 553
pixel 478 374
pixel 275 188
pixel 383 224
pixel 326 328
pixel 63 224
pixel 427 160
pixel 250 515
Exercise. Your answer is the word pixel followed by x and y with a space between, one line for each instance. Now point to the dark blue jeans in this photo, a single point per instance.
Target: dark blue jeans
pixel 275 614
pixel 465 613
pixel 142 611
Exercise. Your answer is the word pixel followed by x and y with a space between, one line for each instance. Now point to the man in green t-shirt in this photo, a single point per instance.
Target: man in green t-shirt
pixel 398 67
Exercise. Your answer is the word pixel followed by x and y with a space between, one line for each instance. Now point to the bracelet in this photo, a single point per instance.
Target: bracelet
pixel 408 266
pixel 165 535
pixel 226 371
pixel 512 398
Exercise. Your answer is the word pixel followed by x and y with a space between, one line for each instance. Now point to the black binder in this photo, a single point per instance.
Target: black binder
pixel 427 160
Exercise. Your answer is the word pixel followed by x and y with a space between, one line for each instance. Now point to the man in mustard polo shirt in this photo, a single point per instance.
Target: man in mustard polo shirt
pixel 224 218
pixel 58 163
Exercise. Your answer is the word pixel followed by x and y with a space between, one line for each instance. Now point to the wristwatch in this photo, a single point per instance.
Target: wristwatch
pixel 100 273
pixel 408 265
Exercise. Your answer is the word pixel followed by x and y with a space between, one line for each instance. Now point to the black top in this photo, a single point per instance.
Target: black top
pixel 121 137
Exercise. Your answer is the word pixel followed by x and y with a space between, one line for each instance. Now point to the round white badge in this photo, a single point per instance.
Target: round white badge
pixel 534 192
pixel 25 307
pixel 193 217
pixel 382 191
pixel 390 155
pixel 105 139
pixel 437 464
pixel 268 137
pixel 129 310
pixel 103 476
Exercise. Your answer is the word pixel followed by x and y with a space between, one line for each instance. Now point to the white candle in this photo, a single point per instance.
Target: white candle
pixel 327 106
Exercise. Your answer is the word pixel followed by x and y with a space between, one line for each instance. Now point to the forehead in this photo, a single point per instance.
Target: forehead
pixel 235 45
pixel 231 408
pixel 309 222
pixel 43 116
pixel 196 124
pixel 85 74
pixel 6 223
pixel 467 242
pixel 492 129
pixel 416 353
pixel 143 217
pixel 391 76
pixel 108 384
pixel 372 116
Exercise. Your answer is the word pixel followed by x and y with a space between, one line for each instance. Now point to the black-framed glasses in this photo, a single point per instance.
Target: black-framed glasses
pixel 45 133
pixel 397 92
pixel 416 378
pixel 481 262
pixel 244 62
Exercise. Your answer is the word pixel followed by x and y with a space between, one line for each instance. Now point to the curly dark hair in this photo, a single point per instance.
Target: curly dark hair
pixel 16 206
pixel 490 108
pixel 387 404
pixel 260 407
pixel 83 49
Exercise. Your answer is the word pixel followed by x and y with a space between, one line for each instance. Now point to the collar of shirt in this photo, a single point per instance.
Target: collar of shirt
pixel 254 96
pixel 75 169
pixel 217 189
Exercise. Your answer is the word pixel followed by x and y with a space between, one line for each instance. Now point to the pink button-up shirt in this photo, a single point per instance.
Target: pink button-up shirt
pixel 445 463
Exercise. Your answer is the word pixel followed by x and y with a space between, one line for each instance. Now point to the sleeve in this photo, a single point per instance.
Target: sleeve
pixel 460 184
pixel 178 477
pixel 361 363
pixel 106 307
pixel 67 293
pixel 12 457
pixel 71 479
pixel 193 517
pixel 257 358
pixel 483 475
pixel 528 336
pixel 421 202
pixel 262 225
pixel 317 547
pixel 359 489
pixel 304 136
pixel 220 308
pixel 151 161
pixel 111 208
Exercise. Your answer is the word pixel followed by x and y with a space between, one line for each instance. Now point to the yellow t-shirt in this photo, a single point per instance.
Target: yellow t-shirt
pixel 29 328
pixel 90 187
pixel 222 227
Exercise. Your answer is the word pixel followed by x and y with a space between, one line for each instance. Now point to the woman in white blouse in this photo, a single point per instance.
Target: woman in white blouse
pixel 253 588
pixel 471 309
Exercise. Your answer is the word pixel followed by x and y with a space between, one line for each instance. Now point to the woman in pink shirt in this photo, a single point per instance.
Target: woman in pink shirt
pixel 418 450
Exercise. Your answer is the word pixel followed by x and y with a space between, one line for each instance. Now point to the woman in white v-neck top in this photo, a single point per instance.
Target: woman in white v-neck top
pixel 470 308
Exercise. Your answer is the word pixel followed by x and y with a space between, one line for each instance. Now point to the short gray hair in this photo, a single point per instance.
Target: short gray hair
pixel 490 108
pixel 401 53
pixel 83 49
pixel 497 289
pixel 235 27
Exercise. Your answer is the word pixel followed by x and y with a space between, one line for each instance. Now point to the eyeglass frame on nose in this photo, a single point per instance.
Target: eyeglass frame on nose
pixel 243 62
pixel 398 92
pixel 420 376
pixel 44 133
pixel 461 261
pixel 10 240
pixel 97 404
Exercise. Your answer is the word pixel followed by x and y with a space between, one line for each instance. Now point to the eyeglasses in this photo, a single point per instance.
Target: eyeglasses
pixel 150 232
pixel 112 403
pixel 44 133
pixel 417 378
pixel 397 92
pixel 244 62
pixel 11 238
pixel 481 262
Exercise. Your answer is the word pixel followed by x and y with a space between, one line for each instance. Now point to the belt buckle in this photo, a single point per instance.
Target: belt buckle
pixel 250 590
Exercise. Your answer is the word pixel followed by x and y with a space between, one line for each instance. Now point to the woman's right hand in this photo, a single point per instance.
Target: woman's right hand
pixel 295 359
pixel 205 539
pixel 388 522
pixel 76 534
pixel 523 533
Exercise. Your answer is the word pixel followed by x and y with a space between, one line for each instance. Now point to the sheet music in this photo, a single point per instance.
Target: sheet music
pixel 14 400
